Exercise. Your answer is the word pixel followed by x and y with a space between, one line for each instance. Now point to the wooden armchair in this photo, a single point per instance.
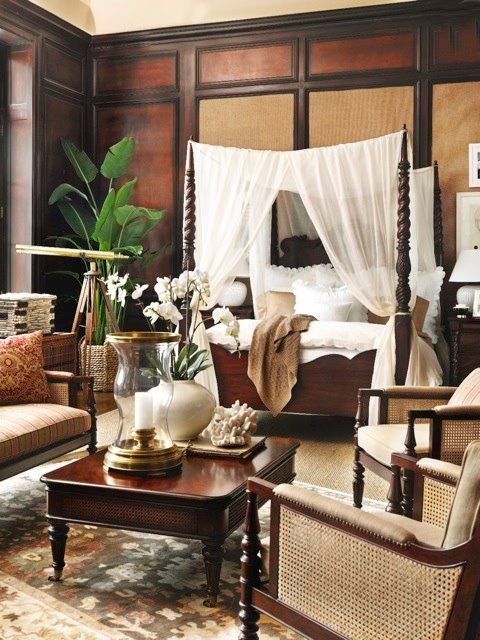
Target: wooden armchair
pixel 438 422
pixel 337 572
pixel 31 434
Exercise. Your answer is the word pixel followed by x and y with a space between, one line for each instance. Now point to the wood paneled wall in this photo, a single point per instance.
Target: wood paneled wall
pixel 348 75
pixel 47 100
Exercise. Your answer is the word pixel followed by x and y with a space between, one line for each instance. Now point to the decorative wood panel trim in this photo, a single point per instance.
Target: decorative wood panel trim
pixel 348 55
pixel 139 73
pixel 246 64
pixel 454 45
pixel 62 69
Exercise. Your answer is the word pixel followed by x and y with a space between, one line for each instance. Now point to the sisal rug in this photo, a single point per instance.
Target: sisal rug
pixel 117 584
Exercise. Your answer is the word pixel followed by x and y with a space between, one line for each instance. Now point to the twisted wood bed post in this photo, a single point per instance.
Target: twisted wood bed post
pixel 188 261
pixel 403 267
pixel 437 217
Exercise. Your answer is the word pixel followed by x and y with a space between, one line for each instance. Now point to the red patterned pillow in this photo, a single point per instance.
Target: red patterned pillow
pixel 22 378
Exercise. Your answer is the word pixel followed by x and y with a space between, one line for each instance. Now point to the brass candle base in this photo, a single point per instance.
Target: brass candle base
pixel 143 461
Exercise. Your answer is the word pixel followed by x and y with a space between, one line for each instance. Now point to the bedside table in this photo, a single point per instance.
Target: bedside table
pixel 464 347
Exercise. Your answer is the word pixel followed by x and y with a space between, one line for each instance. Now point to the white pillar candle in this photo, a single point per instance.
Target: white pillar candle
pixel 143 410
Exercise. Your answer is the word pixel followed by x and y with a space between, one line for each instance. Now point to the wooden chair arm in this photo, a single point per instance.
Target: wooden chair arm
pixel 458 412
pixel 417 393
pixel 364 396
pixel 260 487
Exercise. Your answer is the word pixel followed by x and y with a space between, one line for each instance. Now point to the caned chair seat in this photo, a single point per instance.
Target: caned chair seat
pixel 380 440
pixel 27 428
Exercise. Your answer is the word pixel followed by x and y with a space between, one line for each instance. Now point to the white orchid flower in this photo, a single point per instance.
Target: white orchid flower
pixel 138 291
pixel 168 311
pixel 233 329
pixel 223 315
pixel 121 295
pixel 162 288
pixel 179 288
pixel 152 312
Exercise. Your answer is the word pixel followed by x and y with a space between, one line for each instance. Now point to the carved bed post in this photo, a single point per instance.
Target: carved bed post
pixel 403 267
pixel 274 252
pixel 188 262
pixel 437 217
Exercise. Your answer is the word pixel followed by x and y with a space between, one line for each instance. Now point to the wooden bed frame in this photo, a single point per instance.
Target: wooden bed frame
pixel 327 385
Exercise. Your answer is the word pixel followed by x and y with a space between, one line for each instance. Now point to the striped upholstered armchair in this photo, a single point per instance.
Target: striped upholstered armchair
pixel 33 433
pixel 438 422
pixel 333 571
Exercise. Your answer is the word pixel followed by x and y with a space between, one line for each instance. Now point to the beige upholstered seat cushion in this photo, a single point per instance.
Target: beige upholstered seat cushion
pixel 465 512
pixel 29 427
pixel 381 440
pixel 468 391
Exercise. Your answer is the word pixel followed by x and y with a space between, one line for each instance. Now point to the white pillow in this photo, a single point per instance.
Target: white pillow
pixel 429 285
pixel 326 312
pixel 279 278
pixel 307 294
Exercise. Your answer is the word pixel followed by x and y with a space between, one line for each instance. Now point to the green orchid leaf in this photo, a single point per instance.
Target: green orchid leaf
pixel 84 167
pixel 64 190
pixel 79 220
pixel 118 158
pixel 124 193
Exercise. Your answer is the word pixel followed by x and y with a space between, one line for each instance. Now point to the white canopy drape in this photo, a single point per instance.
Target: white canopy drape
pixel 350 194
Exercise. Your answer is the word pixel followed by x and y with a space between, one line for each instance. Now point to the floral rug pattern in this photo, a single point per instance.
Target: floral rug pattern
pixel 117 584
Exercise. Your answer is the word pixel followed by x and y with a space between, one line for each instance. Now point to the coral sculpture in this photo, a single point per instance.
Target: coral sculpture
pixel 232 427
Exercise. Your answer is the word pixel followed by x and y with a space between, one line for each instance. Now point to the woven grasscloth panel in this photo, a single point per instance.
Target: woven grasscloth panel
pixel 58 392
pixel 398 408
pixel 456 436
pixel 437 500
pixel 358 589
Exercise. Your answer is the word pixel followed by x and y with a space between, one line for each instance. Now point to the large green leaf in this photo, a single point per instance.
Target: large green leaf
pixel 130 212
pixel 118 158
pixel 135 223
pixel 84 167
pixel 124 193
pixel 78 218
pixel 63 190
pixel 103 225
pixel 135 232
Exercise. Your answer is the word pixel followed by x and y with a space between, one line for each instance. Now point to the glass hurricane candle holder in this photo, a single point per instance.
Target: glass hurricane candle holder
pixel 143 392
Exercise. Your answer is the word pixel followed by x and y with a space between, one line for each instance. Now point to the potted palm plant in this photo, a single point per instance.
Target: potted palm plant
pixel 107 223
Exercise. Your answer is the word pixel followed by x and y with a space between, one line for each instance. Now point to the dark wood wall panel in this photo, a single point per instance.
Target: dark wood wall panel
pixel 456 44
pixel 362 71
pixel 153 126
pixel 245 64
pixel 135 73
pixel 369 53
pixel 63 69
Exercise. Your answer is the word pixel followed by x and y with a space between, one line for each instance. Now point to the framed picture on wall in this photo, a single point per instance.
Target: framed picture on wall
pixel 474 165
pixel 468 220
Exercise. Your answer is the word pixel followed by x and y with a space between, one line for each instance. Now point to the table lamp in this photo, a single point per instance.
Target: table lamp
pixel 467 269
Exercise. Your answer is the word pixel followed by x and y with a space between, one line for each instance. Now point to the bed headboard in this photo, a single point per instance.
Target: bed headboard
pixel 296 251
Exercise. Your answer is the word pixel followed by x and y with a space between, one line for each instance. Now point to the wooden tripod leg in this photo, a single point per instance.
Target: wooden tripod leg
pixel 89 324
pixel 80 306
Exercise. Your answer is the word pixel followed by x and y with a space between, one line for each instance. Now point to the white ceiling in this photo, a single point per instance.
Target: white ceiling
pixel 115 16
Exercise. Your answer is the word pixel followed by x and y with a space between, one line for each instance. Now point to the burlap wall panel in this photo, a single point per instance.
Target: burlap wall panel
pixel 358 114
pixel 251 122
pixel 455 124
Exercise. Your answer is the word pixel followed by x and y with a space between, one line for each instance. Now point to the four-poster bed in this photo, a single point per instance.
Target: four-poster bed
pixel 328 384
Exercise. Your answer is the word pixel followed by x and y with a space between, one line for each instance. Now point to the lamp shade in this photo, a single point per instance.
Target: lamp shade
pixel 467 267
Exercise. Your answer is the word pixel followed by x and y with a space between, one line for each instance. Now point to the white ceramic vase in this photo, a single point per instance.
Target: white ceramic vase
pixel 234 296
pixel 191 409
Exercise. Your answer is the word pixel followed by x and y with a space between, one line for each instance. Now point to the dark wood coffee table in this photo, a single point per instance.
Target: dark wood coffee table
pixel 207 501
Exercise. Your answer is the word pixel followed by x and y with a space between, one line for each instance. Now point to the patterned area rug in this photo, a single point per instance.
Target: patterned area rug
pixel 117 584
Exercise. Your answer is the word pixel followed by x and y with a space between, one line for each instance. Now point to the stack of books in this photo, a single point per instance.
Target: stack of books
pixel 26 312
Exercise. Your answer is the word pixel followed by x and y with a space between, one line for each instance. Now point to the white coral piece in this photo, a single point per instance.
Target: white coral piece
pixel 234 426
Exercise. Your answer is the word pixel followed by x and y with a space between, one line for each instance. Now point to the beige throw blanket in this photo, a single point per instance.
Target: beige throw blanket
pixel 273 358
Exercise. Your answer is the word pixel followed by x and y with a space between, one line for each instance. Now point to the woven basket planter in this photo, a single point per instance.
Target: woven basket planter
pixel 103 365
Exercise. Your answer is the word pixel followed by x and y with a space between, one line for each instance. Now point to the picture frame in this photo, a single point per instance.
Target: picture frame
pixel 474 165
pixel 468 220
pixel 476 304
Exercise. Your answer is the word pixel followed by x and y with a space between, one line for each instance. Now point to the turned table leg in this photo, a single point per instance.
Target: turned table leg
pixel 212 556
pixel 58 533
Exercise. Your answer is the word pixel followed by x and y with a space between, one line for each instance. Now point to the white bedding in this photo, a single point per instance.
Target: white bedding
pixel 322 338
